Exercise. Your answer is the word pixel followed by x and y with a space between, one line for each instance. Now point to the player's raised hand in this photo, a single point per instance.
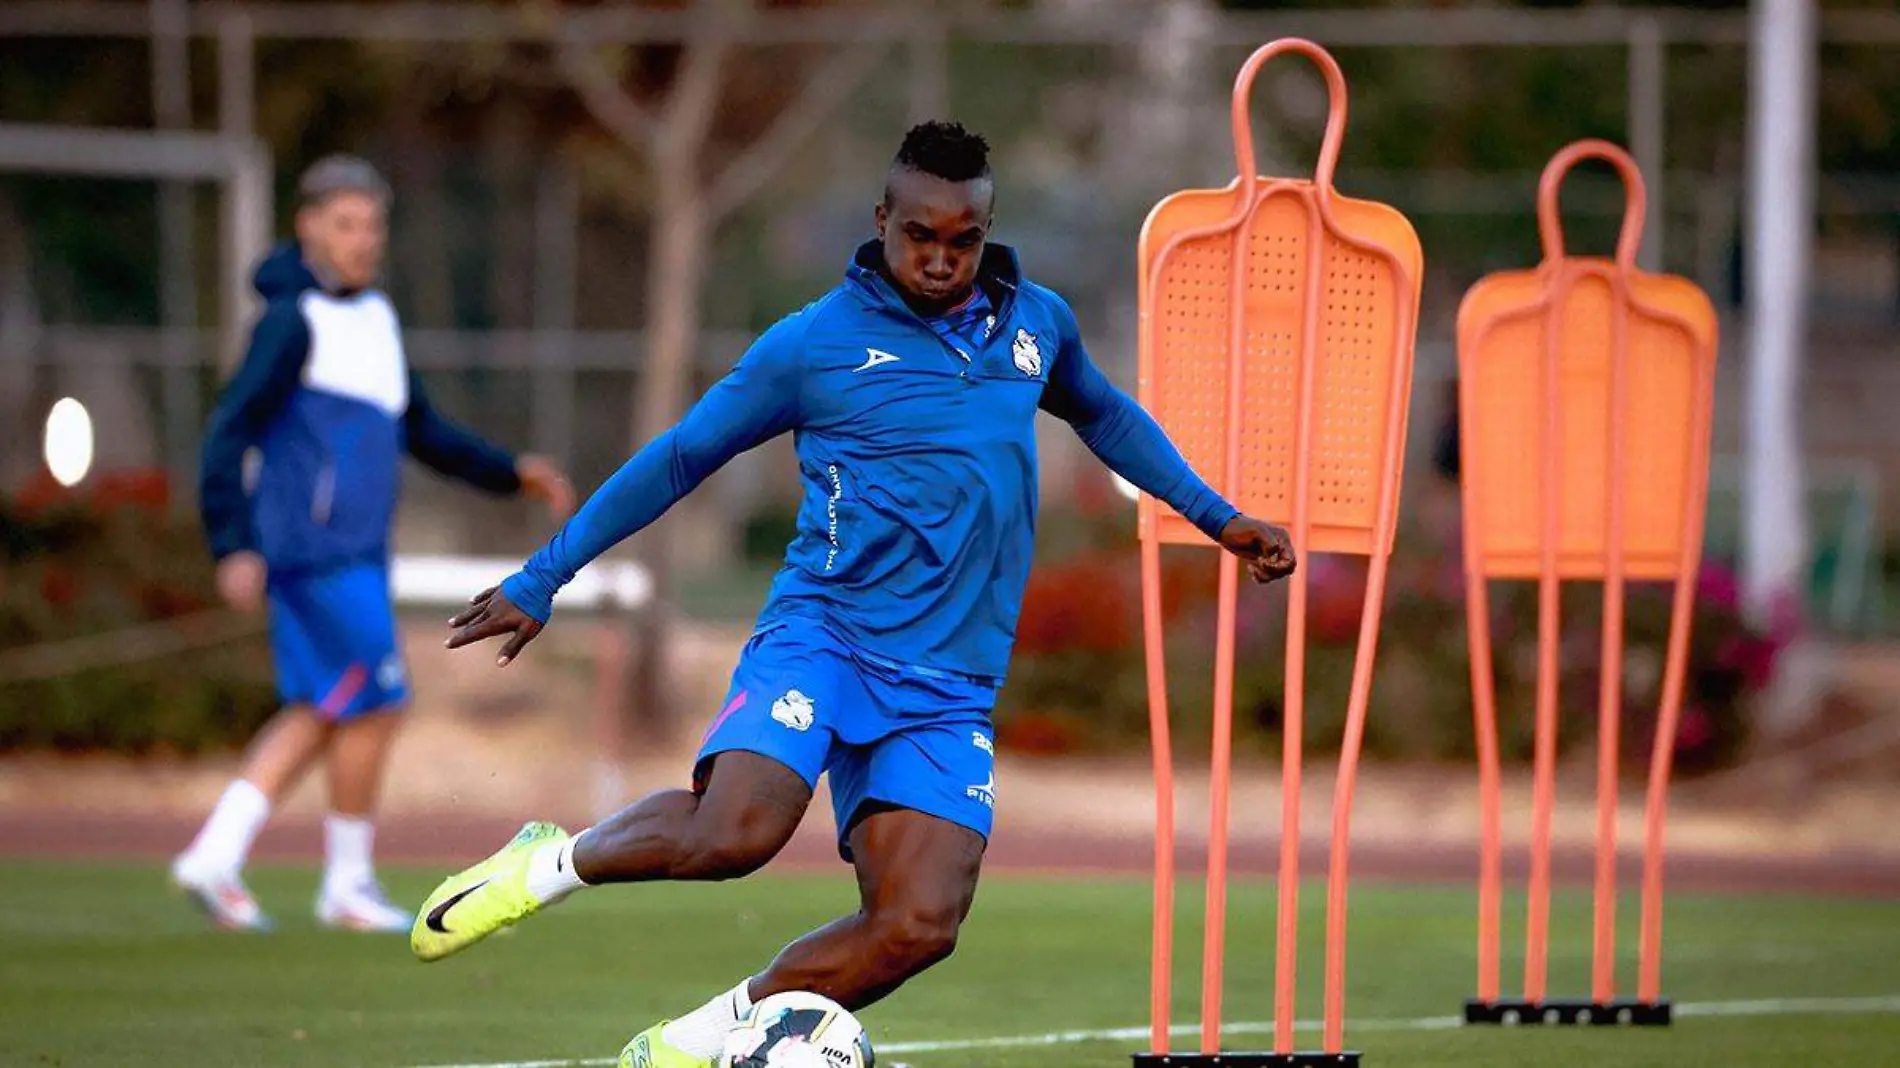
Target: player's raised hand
pixel 490 614
pixel 1267 549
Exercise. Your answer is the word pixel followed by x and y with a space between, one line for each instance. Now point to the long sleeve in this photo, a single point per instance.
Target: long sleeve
pixel 1126 438
pixel 756 401
pixel 255 396
pixel 452 449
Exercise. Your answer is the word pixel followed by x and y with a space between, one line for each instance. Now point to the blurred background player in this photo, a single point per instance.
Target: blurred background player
pixel 326 399
pixel 913 387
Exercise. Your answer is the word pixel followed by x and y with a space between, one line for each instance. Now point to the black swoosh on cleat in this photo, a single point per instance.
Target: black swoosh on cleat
pixel 437 914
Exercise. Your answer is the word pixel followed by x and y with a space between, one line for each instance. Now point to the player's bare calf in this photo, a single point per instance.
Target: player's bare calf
pixel 917 878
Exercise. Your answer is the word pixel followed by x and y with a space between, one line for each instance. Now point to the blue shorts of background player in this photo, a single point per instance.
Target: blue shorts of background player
pixel 888 736
pixel 333 639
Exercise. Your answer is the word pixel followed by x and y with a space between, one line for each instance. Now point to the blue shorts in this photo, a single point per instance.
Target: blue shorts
pixel 887 736
pixel 333 638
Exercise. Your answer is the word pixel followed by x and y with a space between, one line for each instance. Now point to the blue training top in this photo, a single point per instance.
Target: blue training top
pixel 327 398
pixel 916 443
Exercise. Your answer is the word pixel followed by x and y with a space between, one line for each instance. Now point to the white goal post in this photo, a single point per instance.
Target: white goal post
pixel 240 166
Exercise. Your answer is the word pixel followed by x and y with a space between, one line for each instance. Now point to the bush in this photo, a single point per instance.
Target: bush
pixel 1079 679
pixel 81 565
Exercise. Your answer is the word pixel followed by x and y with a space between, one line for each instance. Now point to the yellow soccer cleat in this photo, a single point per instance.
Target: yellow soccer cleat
pixel 476 903
pixel 649 1049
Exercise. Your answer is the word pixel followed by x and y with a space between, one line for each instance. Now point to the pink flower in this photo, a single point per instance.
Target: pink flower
pixel 1694 730
pixel 1718 586
pixel 1756 659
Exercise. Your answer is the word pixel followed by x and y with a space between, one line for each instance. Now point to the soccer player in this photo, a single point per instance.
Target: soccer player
pixel 326 399
pixel 912 390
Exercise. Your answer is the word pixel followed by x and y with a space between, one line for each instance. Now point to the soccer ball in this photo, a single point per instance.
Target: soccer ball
pixel 798 1030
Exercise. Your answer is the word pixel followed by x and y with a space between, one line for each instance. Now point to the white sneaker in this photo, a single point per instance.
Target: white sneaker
pixel 223 897
pixel 361 908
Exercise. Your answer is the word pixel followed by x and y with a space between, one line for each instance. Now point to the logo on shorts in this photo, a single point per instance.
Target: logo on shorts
pixel 982 741
pixel 794 710
pixel 985 793
pixel 389 675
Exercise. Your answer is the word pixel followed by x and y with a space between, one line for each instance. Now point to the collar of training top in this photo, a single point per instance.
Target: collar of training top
pixel 998 275
pixel 286 272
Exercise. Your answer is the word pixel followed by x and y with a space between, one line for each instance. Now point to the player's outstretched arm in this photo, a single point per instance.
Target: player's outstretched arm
pixel 756 401
pixel 461 454
pixel 1129 441
pixel 451 449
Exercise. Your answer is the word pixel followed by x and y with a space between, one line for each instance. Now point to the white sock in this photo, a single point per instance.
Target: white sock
pixel 225 840
pixel 702 1032
pixel 551 874
pixel 347 841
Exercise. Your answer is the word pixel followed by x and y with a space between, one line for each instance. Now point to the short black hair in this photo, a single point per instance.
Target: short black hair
pixel 944 150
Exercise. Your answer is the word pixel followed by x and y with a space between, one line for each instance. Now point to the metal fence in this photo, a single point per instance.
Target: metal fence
pixel 518 264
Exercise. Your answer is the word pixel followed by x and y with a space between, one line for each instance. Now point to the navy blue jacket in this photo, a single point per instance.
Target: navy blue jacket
pixel 326 398
pixel 916 445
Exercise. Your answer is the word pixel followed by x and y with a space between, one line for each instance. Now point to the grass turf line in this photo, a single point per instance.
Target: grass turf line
pixel 104 966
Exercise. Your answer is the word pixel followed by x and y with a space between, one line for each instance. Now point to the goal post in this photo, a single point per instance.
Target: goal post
pixel 241 167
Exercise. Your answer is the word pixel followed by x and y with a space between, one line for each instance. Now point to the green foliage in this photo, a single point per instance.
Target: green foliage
pixel 73 568
pixel 1079 677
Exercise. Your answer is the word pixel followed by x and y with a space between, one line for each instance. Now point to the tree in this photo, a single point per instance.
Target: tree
pixel 689 199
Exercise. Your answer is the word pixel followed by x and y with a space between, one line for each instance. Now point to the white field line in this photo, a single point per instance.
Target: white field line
pixel 1862 1006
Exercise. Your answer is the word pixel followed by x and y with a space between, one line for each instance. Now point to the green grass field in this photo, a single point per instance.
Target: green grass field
pixel 100 965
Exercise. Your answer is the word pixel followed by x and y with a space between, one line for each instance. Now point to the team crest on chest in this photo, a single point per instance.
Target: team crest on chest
pixel 1027 355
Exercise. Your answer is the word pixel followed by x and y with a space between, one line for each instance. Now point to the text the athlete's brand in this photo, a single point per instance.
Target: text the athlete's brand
pixel 831 514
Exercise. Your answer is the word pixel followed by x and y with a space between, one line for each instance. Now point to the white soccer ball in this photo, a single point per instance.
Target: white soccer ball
pixel 798 1030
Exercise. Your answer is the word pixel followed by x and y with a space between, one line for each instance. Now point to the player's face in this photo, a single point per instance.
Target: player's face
pixel 345 235
pixel 933 233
